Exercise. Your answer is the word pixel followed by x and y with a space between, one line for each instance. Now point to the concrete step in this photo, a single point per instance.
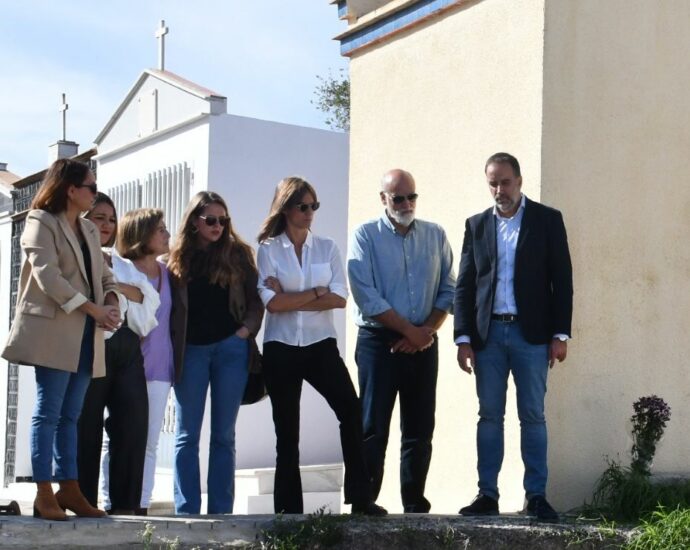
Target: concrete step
pixel 315 478
pixel 321 486
pixel 506 532
pixel 329 501
pixel 321 483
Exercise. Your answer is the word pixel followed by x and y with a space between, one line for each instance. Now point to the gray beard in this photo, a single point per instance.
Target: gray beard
pixel 403 219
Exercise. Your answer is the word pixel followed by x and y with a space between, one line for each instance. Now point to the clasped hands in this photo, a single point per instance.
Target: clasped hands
pixel 107 317
pixel 415 339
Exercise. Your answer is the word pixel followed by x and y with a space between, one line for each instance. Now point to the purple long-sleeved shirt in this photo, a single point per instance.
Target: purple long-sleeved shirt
pixel 156 347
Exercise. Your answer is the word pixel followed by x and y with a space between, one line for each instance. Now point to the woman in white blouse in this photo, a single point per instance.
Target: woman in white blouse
pixel 301 280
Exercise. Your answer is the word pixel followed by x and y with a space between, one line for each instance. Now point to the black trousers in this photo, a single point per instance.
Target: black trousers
pixel 383 376
pixel 320 364
pixel 123 391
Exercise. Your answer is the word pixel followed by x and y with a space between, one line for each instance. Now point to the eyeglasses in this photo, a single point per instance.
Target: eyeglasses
pixel 303 207
pixel 399 199
pixel 90 186
pixel 213 220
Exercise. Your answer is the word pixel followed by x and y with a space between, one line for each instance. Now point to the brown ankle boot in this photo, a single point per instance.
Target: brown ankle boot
pixel 46 505
pixel 69 497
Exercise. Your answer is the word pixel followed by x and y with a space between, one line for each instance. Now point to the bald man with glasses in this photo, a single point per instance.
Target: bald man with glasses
pixel 402 280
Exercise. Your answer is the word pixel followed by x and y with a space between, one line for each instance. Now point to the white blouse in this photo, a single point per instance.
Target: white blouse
pixel 321 266
pixel 141 318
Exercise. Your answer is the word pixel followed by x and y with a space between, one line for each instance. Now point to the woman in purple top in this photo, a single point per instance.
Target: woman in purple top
pixel 142 238
pixel 217 314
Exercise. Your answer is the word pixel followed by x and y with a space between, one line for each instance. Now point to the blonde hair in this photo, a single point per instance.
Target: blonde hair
pixel 135 230
pixel 226 261
pixel 289 192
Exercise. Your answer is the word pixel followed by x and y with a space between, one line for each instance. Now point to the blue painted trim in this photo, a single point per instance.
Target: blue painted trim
pixel 392 23
pixel 342 9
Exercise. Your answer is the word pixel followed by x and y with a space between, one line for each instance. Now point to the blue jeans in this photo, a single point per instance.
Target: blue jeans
pixel 507 351
pixel 60 395
pixel 223 366
pixel 382 377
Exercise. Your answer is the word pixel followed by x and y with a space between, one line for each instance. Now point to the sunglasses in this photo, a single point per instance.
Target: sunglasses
pixel 399 199
pixel 303 207
pixel 213 220
pixel 90 186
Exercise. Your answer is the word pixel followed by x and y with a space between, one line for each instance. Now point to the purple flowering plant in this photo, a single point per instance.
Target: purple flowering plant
pixel 648 423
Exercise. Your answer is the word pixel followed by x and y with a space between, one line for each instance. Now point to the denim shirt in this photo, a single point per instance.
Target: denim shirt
pixel 411 273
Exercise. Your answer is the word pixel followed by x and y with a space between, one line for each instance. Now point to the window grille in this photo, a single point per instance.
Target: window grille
pixel 167 189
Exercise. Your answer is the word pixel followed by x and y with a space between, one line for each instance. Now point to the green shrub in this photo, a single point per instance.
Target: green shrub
pixel 318 529
pixel 626 494
pixel 664 531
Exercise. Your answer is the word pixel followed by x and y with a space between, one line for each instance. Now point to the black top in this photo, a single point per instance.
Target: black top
pixel 209 319
pixel 87 265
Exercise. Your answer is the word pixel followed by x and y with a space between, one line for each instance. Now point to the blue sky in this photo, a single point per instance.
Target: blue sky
pixel 264 55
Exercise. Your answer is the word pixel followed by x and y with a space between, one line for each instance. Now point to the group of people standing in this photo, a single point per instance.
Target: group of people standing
pixel 120 328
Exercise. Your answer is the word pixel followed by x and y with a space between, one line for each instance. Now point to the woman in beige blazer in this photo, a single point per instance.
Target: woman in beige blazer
pixel 67 297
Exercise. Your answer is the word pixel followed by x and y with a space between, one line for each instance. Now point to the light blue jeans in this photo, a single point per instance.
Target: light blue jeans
pixel 223 366
pixel 59 398
pixel 507 351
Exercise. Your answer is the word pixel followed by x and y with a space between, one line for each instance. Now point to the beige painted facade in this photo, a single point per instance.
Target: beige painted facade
pixel 615 152
pixel 591 96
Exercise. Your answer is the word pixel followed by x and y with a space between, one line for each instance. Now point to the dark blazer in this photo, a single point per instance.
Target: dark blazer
pixel 543 281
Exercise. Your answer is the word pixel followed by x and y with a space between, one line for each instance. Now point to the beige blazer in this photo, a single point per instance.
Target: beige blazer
pixel 48 328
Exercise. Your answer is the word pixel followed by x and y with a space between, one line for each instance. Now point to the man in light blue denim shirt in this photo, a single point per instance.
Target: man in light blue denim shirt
pixel 402 280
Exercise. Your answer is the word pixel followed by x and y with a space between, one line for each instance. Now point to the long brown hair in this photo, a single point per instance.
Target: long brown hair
pixel 102 198
pixel 52 194
pixel 289 192
pixel 226 260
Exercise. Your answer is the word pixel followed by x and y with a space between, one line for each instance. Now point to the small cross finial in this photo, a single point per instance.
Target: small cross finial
pixel 160 35
pixel 63 110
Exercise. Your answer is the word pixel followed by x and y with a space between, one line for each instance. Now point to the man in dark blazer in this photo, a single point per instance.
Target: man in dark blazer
pixel 513 309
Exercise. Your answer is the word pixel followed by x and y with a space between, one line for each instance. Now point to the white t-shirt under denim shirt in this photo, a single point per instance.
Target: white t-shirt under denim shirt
pixel 321 266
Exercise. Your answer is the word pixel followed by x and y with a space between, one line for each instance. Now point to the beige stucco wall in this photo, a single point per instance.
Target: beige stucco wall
pixel 438 100
pixel 616 150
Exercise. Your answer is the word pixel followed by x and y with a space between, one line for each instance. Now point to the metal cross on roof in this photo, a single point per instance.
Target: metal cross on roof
pixel 160 35
pixel 63 110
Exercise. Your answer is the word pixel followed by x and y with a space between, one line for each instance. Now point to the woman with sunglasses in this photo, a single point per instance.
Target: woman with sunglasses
pixel 67 297
pixel 123 389
pixel 217 314
pixel 301 282
pixel 142 238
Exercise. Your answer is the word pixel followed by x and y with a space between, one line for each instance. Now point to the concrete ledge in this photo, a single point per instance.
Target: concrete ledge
pixel 411 531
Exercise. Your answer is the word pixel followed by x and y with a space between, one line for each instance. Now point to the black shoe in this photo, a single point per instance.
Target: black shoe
pixel 369 509
pixel 538 507
pixel 421 507
pixel 481 506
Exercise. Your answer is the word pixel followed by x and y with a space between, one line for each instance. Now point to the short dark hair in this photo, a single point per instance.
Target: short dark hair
pixel 504 158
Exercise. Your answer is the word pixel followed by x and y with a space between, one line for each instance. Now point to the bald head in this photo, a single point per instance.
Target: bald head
pixel 392 178
pixel 399 197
